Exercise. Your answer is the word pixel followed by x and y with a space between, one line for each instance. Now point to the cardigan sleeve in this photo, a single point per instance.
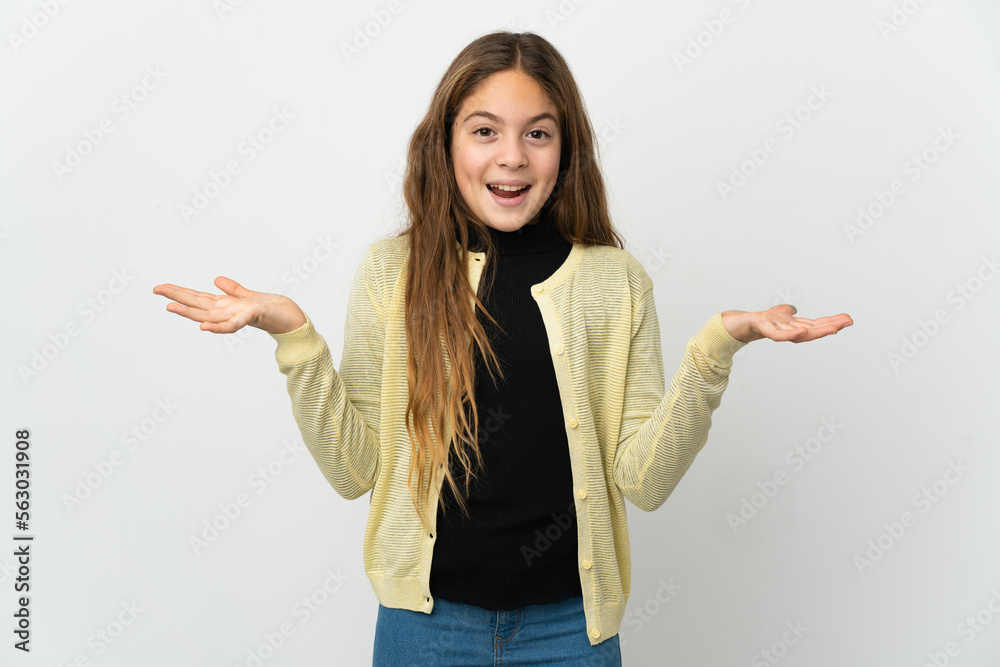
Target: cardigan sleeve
pixel 338 414
pixel 661 434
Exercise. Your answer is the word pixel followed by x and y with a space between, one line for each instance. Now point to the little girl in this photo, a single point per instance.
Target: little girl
pixel 501 389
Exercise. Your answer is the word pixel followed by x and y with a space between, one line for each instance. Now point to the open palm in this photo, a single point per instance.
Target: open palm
pixel 236 308
pixel 779 323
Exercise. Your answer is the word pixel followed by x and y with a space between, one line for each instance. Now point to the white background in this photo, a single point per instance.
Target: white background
pixel 911 388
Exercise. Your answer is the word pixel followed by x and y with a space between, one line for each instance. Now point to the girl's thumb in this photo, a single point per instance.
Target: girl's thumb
pixel 231 287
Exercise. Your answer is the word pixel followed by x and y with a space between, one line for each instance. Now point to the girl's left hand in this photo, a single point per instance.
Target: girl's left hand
pixel 780 323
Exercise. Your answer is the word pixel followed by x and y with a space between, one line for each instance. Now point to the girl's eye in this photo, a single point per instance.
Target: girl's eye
pixel 486 132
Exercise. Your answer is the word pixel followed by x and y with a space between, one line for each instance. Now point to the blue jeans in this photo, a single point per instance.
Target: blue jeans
pixel 461 635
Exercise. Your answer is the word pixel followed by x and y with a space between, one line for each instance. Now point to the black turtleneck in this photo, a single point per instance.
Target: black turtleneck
pixel 519 544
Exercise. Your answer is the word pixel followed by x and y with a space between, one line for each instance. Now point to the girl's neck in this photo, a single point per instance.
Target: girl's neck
pixel 531 238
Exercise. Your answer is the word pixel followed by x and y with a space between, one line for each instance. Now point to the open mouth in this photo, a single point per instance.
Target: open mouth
pixel 511 193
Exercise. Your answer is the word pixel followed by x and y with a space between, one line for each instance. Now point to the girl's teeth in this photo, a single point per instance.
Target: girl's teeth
pixel 509 188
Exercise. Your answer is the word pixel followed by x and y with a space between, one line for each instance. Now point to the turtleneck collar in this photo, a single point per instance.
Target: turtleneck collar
pixel 534 238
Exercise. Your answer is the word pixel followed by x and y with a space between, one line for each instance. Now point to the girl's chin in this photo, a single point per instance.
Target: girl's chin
pixel 505 226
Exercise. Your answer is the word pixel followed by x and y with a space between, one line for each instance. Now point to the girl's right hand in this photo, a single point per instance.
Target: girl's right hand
pixel 237 308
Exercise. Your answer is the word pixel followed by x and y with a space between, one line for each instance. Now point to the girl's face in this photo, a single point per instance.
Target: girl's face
pixel 506 134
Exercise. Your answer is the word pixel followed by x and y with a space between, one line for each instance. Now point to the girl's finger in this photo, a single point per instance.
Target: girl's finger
pixel 786 325
pixel 232 288
pixel 224 327
pixel 196 299
pixel 787 331
pixel 195 314
pixel 823 321
pixel 169 291
pixel 227 285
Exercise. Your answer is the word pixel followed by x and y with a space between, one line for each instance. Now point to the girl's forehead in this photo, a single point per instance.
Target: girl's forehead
pixel 509 93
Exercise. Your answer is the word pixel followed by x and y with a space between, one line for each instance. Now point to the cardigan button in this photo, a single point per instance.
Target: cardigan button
pixel 559 349
pixel 595 633
pixel 581 494
pixel 538 288
pixel 586 564
pixel 572 423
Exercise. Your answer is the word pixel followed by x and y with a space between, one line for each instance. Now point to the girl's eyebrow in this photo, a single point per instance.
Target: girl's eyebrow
pixel 499 121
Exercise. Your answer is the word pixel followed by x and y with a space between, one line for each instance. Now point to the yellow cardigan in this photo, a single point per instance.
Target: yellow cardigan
pixel 627 439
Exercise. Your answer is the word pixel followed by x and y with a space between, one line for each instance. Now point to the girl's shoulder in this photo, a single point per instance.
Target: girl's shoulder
pixel 396 247
pixel 387 256
pixel 605 261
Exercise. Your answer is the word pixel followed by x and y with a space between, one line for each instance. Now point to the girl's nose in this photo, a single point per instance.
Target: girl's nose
pixel 511 153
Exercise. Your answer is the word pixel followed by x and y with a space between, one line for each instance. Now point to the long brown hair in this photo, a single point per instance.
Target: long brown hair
pixel 441 323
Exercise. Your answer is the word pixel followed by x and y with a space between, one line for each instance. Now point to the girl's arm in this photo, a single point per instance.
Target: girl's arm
pixel 660 437
pixel 337 413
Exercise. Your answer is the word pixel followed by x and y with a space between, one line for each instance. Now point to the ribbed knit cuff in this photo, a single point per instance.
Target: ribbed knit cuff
pixel 298 346
pixel 716 342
